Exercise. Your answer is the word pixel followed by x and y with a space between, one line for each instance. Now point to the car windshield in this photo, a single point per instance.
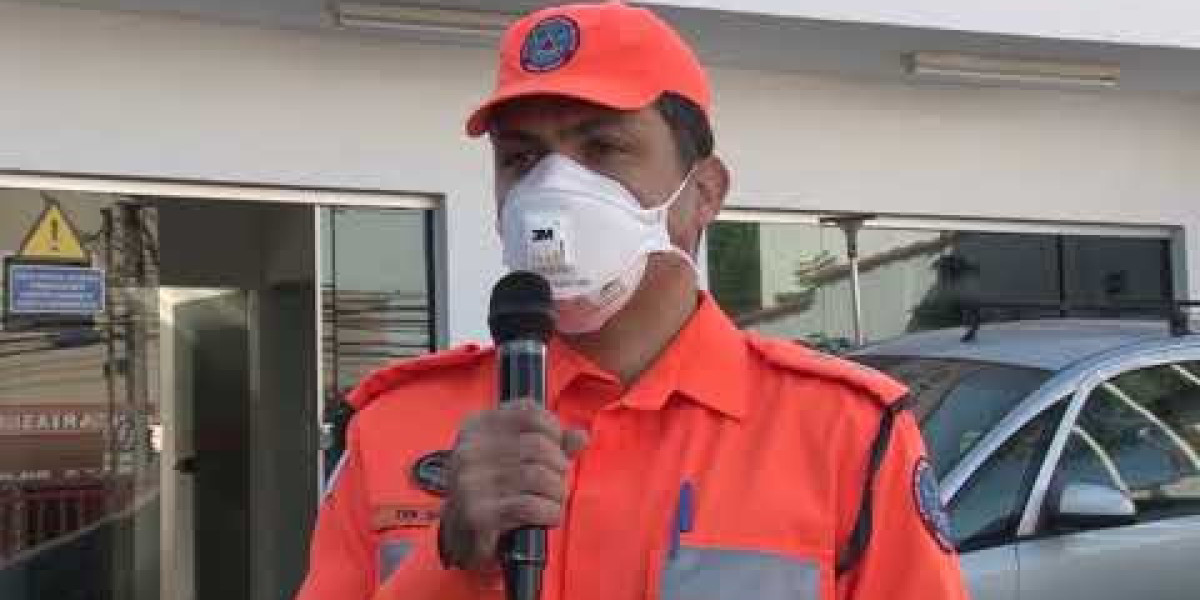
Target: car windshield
pixel 957 402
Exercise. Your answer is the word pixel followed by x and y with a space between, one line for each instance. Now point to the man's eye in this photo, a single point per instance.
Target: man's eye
pixel 599 147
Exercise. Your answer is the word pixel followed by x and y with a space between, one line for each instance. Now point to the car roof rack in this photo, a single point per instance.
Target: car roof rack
pixel 1173 311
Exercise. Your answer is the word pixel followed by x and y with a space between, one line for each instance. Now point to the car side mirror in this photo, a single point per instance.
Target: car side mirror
pixel 1092 506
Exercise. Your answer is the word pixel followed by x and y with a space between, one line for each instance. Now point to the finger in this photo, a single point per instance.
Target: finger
pixel 508 419
pixel 500 468
pixel 535 419
pixel 470 425
pixel 536 480
pixel 475 450
pixel 523 402
pixel 574 441
pixel 538 449
pixel 464 545
pixel 503 417
pixel 515 481
pixel 527 511
pixel 508 450
pixel 528 418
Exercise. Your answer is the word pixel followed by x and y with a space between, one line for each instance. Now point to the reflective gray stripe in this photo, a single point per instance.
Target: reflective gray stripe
pixel 333 477
pixel 391 554
pixel 721 574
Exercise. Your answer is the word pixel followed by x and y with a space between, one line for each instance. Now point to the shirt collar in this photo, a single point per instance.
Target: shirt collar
pixel 706 363
pixel 567 365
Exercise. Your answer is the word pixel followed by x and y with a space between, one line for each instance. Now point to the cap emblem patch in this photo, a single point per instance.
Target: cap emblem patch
pixel 550 44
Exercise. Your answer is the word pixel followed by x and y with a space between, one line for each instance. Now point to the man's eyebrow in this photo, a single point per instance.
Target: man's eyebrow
pixel 606 122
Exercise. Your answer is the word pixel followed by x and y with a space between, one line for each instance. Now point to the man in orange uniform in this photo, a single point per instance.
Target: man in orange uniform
pixel 678 457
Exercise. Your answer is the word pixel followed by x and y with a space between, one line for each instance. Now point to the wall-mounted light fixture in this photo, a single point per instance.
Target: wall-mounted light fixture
pixel 422 19
pixel 1020 72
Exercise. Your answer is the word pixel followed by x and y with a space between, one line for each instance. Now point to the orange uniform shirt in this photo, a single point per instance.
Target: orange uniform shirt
pixel 733 468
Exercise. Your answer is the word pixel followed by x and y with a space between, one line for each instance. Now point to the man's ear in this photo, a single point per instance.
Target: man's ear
pixel 712 185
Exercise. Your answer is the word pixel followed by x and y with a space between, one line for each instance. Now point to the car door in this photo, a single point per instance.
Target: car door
pixel 986 510
pixel 1138 431
pixel 986 438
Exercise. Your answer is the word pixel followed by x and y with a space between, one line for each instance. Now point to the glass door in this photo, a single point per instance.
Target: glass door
pixel 377 300
pixel 206 526
pixel 79 470
pixel 159 441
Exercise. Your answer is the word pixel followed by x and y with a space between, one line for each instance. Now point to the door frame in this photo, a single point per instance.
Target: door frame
pixel 935 223
pixel 1036 501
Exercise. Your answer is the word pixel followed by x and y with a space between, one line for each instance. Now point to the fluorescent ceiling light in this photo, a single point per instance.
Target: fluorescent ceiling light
pixel 947 66
pixel 422 19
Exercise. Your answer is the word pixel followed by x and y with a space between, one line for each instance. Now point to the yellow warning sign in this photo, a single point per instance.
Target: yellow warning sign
pixel 53 238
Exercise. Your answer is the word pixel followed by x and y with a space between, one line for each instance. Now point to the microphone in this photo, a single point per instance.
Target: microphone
pixel 521 318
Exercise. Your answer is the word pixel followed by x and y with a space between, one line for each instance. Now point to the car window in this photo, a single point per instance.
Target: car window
pixel 958 402
pixel 987 510
pixel 1140 432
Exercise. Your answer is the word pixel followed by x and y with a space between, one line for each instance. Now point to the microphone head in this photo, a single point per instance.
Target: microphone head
pixel 522 308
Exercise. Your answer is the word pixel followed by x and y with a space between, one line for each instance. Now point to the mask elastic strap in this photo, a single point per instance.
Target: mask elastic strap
pixel 679 190
pixel 667 206
pixel 687 258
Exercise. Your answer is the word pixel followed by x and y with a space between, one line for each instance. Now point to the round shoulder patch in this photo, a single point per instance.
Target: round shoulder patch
pixel 550 44
pixel 929 503
pixel 430 472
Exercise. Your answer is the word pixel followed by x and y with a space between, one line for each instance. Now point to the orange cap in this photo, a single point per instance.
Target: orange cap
pixel 609 54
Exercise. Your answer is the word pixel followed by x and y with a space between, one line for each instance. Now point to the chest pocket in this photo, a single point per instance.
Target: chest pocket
pixel 707 573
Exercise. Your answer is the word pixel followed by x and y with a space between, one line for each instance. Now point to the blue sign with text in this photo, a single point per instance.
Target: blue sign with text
pixel 54 290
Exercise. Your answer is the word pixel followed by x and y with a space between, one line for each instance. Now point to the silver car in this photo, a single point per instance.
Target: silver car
pixel 1068 453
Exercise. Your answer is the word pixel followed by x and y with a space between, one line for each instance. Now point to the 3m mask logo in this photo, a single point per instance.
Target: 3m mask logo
pixel 549 243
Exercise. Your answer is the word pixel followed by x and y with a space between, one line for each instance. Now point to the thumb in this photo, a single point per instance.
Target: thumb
pixel 574 441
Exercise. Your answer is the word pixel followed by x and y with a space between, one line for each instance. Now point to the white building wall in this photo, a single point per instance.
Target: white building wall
pixel 1167 23
pixel 134 95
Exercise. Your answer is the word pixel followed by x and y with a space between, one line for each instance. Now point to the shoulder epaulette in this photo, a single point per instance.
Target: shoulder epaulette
pixel 888 393
pixel 387 378
pixel 795 357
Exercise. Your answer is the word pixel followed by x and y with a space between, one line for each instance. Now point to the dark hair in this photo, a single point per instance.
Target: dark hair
pixel 689 125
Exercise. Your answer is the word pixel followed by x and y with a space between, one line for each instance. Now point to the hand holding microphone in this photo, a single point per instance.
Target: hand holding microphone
pixel 509 466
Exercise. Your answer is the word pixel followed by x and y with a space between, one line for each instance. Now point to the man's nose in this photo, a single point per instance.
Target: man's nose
pixel 571 151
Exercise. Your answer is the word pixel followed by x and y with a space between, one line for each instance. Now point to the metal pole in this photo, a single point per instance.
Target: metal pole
pixel 137 235
pixel 335 371
pixel 110 365
pixel 112 369
pixel 851 231
pixel 1060 246
pixel 132 269
pixel 850 226
pixel 431 305
pixel 856 298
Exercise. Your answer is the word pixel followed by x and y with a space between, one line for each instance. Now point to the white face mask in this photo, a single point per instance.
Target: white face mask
pixel 586 234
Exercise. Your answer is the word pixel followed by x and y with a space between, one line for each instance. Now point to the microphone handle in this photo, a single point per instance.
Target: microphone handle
pixel 522 371
pixel 522 374
pixel 523 557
